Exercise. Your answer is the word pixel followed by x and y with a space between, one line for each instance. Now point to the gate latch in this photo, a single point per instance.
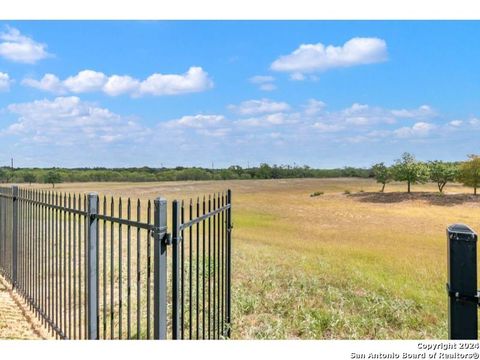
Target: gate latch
pixel 161 233
pixel 462 297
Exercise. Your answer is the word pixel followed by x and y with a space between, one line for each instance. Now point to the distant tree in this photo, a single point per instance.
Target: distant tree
pixel 469 172
pixel 349 171
pixel 53 177
pixel 442 173
pixel 408 169
pixel 382 174
pixel 264 171
pixel 3 175
pixel 29 178
pixel 6 175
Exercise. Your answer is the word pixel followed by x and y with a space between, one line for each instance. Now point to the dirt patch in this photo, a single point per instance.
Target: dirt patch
pixel 16 320
pixel 427 197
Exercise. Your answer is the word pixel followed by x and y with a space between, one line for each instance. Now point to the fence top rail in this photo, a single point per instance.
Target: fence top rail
pixel 6 191
pixel 212 205
pixel 53 206
pixel 109 210
pixel 127 222
pixel 204 217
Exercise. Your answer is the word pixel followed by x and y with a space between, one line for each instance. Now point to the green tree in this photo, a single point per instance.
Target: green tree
pixel 6 175
pixel 29 178
pixel 264 171
pixel 469 172
pixel 382 174
pixel 3 175
pixel 53 177
pixel 408 169
pixel 442 173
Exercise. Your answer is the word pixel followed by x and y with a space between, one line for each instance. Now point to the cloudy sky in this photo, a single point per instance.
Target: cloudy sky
pixel 325 94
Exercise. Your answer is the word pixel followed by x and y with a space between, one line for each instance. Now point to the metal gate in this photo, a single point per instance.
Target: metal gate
pixel 98 268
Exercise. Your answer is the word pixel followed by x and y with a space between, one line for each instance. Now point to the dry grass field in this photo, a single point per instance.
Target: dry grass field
pixel 362 265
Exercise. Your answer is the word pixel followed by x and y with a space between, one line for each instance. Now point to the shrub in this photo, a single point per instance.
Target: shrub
pixel 316 193
pixel 347 192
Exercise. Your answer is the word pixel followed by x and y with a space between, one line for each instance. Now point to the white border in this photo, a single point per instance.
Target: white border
pixel 239 9
pixel 223 350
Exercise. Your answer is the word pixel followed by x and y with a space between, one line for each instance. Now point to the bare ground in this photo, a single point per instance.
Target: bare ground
pixel 16 320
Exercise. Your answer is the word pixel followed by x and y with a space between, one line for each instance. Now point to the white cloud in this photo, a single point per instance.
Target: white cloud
pixel 356 108
pixel 118 85
pixel 419 129
pixel 20 48
pixel 267 87
pixel 85 81
pixel 261 79
pixel 264 82
pixel 309 58
pixel 218 133
pixel 421 111
pixel 379 133
pixel 194 80
pixel 474 122
pixel 197 121
pixel 313 107
pixel 269 120
pixel 358 120
pixel 215 126
pixel 324 127
pixel 456 123
pixel 296 76
pixel 362 114
pixel 4 82
pixel 49 82
pixel 262 106
pixel 70 121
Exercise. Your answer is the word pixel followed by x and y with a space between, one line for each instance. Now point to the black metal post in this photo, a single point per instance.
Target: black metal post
pixel 92 278
pixel 160 269
pixel 229 263
pixel 462 283
pixel 14 234
pixel 175 270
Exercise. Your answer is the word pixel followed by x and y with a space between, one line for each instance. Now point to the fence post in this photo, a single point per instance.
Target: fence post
pixel 14 234
pixel 92 278
pixel 175 270
pixel 462 283
pixel 160 269
pixel 229 262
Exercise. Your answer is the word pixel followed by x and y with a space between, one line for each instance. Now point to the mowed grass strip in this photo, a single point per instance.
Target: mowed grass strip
pixel 362 265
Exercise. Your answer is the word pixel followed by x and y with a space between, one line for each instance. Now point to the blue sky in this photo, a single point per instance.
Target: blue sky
pixel 321 93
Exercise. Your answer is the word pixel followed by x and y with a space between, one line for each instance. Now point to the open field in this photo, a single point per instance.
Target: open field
pixel 359 265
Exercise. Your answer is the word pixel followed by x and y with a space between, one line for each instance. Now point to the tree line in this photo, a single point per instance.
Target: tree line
pixel 144 174
pixel 412 171
pixel 407 169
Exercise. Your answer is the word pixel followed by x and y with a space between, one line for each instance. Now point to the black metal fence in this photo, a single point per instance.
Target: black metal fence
pixel 94 268
pixel 201 281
